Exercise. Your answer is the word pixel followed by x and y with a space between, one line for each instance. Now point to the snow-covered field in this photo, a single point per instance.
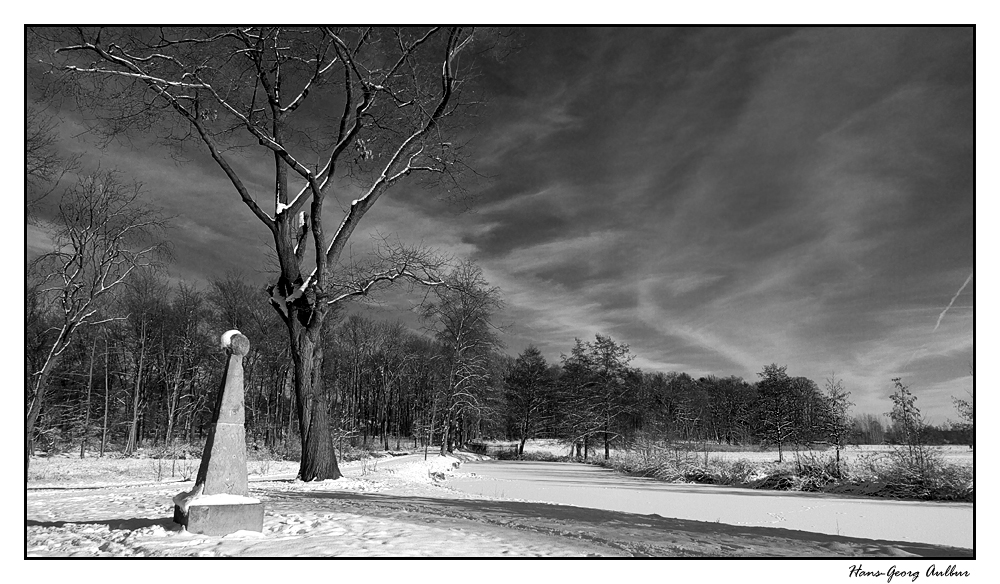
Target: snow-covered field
pixel 388 507
pixel 955 454
pixel 851 454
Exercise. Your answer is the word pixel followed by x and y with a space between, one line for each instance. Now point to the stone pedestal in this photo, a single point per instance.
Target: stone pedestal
pixel 221 519
pixel 219 503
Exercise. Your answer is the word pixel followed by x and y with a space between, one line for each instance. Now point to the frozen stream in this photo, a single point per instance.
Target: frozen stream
pixel 594 487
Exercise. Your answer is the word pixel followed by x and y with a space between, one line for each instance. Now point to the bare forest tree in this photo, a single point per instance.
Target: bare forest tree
pixel 102 236
pixel 777 406
pixel 837 422
pixel 528 387
pixel 967 413
pixel 966 409
pixel 183 350
pixel 462 318
pixel 597 391
pixel 342 114
pixel 867 428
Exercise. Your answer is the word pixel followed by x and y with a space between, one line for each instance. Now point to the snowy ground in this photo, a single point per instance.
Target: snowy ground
pixel 388 507
pixel 391 508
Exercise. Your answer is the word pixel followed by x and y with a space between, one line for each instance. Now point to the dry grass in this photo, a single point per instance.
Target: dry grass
pixel 947 473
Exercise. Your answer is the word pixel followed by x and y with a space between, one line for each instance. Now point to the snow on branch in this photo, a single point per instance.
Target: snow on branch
pixel 391 261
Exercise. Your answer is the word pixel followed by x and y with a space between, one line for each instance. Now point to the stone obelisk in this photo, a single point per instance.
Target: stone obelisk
pixel 219 503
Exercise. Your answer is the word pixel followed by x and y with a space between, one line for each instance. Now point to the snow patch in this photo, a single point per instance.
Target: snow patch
pixel 195 497
pixel 223 499
pixel 182 500
pixel 244 534
pixel 227 338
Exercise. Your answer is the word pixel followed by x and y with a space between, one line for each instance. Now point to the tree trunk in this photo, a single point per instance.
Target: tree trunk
pixel 86 407
pixel 133 433
pixel 607 446
pixel 172 402
pixel 445 430
pixel 319 462
pixel 41 385
pixel 29 430
pixel 107 391
pixel 430 427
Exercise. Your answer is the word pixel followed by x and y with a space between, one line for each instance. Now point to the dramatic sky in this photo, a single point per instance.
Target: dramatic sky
pixel 717 199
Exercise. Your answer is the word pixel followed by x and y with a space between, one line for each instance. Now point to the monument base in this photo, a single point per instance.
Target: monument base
pixel 221 519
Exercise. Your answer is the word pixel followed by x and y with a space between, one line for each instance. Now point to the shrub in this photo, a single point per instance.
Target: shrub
pixel 901 475
pixel 533 456
pixel 894 475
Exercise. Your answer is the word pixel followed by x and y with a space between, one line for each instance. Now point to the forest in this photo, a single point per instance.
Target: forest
pixel 148 380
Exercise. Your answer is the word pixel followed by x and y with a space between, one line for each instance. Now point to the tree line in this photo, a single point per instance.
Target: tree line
pixel 594 399
pixel 148 379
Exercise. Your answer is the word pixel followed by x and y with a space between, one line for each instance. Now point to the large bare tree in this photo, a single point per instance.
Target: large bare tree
pixel 342 115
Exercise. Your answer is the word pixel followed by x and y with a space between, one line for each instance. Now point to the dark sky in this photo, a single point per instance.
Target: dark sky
pixel 719 199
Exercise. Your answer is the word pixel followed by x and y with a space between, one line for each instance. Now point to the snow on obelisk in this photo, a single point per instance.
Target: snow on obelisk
pixel 219 503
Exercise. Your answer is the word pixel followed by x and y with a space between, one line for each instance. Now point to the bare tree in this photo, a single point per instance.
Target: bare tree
pixel 373 105
pixel 910 429
pixel 103 235
pixel 598 390
pixel 966 409
pixel 837 421
pixel 462 319
pixel 527 388
pixel 777 406
pixel 144 299
pixel 867 428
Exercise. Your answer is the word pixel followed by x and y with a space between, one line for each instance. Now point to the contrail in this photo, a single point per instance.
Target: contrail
pixel 967 280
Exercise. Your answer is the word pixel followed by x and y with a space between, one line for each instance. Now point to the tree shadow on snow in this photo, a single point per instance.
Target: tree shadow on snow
pixel 130 524
pixel 619 527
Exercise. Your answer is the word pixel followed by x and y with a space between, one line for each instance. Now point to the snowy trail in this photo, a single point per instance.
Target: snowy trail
pixel 939 523
pixel 402 507
pixel 330 518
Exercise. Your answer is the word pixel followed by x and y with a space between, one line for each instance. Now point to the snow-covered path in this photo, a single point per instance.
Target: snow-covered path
pixel 940 523
pixel 381 508
pixel 403 507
